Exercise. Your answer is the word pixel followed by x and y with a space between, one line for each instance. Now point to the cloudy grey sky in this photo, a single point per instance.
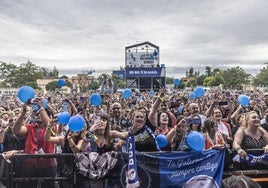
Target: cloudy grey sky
pixel 80 35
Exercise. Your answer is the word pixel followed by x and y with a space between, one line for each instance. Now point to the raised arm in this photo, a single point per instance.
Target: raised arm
pixel 18 128
pixel 153 113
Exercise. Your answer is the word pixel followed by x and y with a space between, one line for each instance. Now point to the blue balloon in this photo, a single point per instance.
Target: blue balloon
pixel 95 99
pixel 155 53
pixel 127 93
pixel 63 118
pixel 121 76
pixel 161 140
pixel 25 93
pixel 44 102
pixel 151 92
pixel 176 82
pixel 243 100
pixel 61 83
pixel 76 123
pixel 195 141
pixel 192 96
pixel 199 91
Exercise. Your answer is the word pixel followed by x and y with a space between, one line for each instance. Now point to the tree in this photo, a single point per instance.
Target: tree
pixel 103 77
pixel 51 86
pixel 261 79
pixel 213 81
pixel 94 85
pixel 208 71
pixel 235 77
pixel 192 83
pixel 191 72
pixel 200 80
pixel 17 76
pixel 119 82
pixel 169 80
pixel 208 82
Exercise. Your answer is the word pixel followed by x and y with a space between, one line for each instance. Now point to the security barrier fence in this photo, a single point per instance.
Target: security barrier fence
pixel 12 172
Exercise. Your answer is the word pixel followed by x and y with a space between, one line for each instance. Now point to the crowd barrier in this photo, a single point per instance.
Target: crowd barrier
pixel 13 171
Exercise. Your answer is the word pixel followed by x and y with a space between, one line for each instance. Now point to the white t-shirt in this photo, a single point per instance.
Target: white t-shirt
pixel 223 128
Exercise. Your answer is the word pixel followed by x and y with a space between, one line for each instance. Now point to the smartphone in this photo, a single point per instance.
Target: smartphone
pixel 96 119
pixel 30 101
pixel 193 121
pixel 223 103
pixel 258 100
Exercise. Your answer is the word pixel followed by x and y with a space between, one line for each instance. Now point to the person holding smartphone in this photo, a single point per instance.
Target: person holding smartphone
pixel 35 144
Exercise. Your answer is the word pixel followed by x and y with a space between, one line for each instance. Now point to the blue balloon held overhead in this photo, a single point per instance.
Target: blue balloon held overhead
pixel 151 92
pixel 176 82
pixel 76 123
pixel 63 118
pixel 199 91
pixel 192 96
pixel 25 93
pixel 61 83
pixel 95 99
pixel 44 103
pixel 243 100
pixel 90 72
pixel 161 140
pixel 127 93
pixel 121 76
pixel 195 141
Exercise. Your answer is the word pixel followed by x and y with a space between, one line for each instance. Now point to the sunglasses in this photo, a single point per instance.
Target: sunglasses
pixel 116 108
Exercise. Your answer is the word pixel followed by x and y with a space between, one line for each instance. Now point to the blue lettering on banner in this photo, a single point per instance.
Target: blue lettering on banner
pixel 143 72
pixel 180 169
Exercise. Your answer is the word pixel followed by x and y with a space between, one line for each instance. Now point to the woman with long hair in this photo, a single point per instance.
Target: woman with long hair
pixel 252 136
pixel 213 139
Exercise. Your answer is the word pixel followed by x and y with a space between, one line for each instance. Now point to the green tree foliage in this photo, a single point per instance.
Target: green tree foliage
pixel 261 79
pixel 192 83
pixel 191 72
pixel 208 81
pixel 94 85
pixel 235 77
pixel 103 77
pixel 169 80
pixel 26 73
pixel 119 82
pixel 51 86
pixel 33 85
pixel 208 71
pixel 211 81
pixel 200 80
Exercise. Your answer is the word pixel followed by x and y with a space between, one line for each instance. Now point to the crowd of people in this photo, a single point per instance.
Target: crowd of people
pixel 218 116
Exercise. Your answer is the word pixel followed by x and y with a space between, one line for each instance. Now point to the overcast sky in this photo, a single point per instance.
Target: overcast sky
pixel 80 35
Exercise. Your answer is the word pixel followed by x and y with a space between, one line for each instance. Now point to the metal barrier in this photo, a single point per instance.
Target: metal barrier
pixel 14 172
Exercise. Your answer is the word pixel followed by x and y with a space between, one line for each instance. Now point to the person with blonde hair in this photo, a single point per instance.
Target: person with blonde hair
pixel 252 136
